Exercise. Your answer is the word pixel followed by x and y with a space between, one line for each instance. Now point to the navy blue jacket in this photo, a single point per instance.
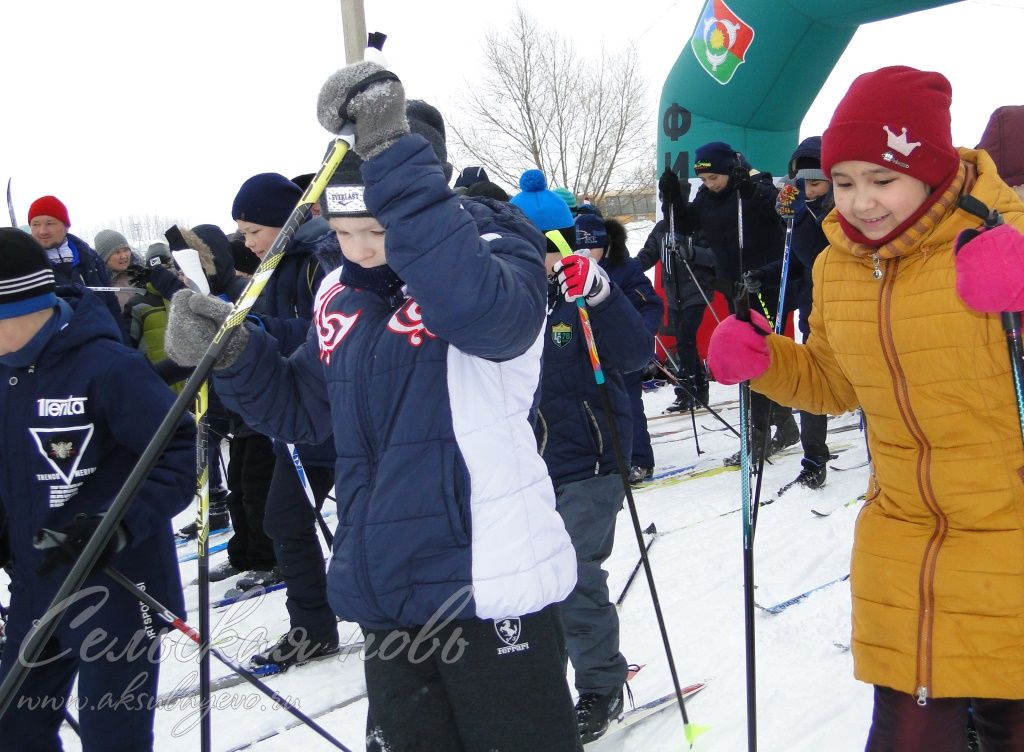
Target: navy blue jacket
pixel 75 422
pixel 285 309
pixel 88 270
pixel 573 427
pixel 428 393
pixel 630 278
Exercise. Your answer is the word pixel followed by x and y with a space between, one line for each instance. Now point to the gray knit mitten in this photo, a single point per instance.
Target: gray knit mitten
pixel 371 98
pixel 192 322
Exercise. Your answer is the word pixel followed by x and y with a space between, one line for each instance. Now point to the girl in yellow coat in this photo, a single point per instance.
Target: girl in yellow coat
pixel 908 329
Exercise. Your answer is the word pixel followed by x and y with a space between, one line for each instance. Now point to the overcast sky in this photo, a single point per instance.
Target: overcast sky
pixel 132 107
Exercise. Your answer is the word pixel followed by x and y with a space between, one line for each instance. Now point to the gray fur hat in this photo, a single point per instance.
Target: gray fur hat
pixel 108 241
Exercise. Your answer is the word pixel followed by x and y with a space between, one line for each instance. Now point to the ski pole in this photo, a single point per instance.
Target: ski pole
pixel 652 531
pixel 588 335
pixel 177 623
pixel 10 204
pixel 787 249
pixel 697 398
pixel 203 557
pixel 293 452
pixel 40 634
pixel 749 512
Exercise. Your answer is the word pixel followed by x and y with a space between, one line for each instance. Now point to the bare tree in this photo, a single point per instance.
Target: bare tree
pixel 539 104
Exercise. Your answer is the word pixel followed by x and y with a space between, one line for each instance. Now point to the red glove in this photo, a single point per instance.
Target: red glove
pixel 990 269
pixel 581 275
pixel 738 351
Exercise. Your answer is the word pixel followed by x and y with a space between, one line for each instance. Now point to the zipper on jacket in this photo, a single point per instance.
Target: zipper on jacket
pixel 366 357
pixel 600 437
pixel 926 593
pixel 877 272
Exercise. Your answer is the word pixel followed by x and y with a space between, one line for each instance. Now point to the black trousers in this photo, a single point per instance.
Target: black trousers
pixel 115 702
pixel 291 524
pixel 249 474
pixel 685 324
pixel 504 689
pixel 899 724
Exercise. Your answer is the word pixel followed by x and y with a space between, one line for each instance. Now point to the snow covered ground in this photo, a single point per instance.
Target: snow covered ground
pixel 807 697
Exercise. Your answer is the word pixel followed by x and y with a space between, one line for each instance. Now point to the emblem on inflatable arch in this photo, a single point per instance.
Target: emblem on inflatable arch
pixel 720 41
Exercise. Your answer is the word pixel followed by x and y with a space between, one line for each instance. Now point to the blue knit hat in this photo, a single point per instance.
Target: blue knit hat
pixel 591 232
pixel 717 157
pixel 542 207
pixel 266 199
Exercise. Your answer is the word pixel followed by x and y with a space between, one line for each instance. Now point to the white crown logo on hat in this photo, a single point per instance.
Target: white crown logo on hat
pixel 899 143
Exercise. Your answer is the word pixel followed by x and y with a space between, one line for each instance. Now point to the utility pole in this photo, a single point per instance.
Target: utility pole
pixel 353 22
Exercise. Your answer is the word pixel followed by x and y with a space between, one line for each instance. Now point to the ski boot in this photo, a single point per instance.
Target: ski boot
pixel 219 518
pixel 638 475
pixel 594 712
pixel 756 447
pixel 293 649
pixel 224 570
pixel 812 475
pixel 786 435
pixel 259 578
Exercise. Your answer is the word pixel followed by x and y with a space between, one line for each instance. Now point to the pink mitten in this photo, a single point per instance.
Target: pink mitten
pixel 990 269
pixel 739 352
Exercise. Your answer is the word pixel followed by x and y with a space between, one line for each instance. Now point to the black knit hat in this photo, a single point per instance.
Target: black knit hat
pixel 266 199
pixel 343 196
pixel 26 280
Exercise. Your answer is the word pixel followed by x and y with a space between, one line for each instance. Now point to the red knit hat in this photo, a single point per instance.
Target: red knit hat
pixel 49 206
pixel 897 117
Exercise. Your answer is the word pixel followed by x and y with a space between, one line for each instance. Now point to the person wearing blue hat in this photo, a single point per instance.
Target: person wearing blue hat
pixel 576 440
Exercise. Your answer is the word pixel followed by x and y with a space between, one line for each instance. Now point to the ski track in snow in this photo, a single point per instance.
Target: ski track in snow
pixel 808 699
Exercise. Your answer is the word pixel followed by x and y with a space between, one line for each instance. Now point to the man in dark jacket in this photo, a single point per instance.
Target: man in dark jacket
pixel 72 260
pixel 70 442
pixel 806 203
pixel 734 195
pixel 423 362
pixel 577 444
pixel 687 271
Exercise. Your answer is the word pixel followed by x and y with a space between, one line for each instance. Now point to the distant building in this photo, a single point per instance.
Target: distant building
pixel 629 206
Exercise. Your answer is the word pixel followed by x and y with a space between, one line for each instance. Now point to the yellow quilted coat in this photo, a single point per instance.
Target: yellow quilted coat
pixel 937 572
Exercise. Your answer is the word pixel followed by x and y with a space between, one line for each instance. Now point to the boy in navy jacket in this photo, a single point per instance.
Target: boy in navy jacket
pixel 424 359
pixel 79 408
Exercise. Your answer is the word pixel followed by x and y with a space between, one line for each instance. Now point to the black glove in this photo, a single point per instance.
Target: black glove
pixel 669 187
pixel 686 251
pixel 138 276
pixel 753 280
pixel 650 371
pixel 370 97
pixel 742 182
pixel 62 547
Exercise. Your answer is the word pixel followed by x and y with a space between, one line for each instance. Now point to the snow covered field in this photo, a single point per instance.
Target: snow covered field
pixel 807 698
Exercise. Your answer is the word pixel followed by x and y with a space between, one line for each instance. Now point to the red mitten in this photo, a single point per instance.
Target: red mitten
pixel 739 352
pixel 990 269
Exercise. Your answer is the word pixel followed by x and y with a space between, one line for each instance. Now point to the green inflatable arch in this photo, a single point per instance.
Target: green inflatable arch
pixel 752 68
